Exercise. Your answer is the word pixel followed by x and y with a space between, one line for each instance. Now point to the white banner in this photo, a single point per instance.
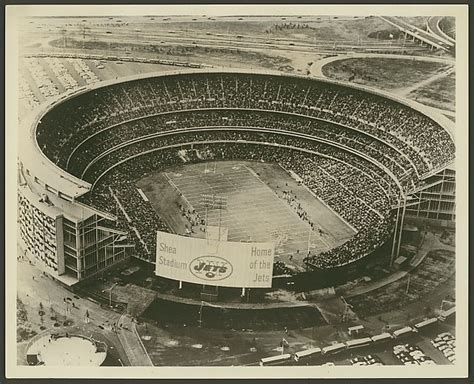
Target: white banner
pixel 211 262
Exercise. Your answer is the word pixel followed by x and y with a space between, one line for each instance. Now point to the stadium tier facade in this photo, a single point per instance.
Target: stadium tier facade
pixel 369 156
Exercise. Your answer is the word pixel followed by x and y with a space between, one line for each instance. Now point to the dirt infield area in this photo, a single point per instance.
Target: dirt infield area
pixel 258 208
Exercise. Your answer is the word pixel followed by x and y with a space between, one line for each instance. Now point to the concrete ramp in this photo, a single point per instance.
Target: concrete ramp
pixel 138 298
pixel 335 311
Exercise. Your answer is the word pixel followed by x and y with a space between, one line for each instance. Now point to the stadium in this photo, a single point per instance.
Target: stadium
pixel 231 190
pixel 347 158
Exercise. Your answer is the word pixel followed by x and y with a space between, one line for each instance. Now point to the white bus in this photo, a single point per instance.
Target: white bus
pixel 272 360
pixel 333 348
pixel 358 342
pixel 307 353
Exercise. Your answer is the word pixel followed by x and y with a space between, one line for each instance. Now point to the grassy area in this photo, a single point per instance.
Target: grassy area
pixel 310 27
pixel 448 26
pixel 382 73
pixel 439 94
pixel 304 29
pixel 185 53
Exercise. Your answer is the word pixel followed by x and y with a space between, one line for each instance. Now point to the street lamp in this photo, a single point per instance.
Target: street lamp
pixel 200 314
pixel 201 308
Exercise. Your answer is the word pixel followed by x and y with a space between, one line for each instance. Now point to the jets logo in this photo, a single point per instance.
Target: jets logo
pixel 210 268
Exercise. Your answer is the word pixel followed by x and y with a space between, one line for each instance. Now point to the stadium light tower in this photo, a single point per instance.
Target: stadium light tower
pixel 402 197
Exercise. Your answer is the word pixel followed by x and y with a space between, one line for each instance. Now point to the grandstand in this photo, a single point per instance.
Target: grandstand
pixel 360 151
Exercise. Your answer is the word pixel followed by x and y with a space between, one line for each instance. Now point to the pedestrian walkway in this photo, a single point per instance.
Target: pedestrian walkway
pixel 132 344
pixel 404 92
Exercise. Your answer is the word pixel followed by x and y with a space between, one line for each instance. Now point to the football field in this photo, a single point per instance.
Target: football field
pixel 256 209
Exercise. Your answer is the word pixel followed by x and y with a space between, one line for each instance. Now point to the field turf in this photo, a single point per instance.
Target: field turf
pixel 256 209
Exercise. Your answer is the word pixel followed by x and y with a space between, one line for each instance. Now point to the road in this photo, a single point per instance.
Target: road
pixel 434 27
pixel 33 288
pixel 417 33
pixel 316 68
pixel 405 91
pixel 130 340
pixel 217 40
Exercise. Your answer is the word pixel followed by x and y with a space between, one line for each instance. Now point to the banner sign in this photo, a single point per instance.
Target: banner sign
pixel 212 262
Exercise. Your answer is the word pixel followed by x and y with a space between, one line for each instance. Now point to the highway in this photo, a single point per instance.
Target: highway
pixel 225 41
pixel 417 33
pixel 433 25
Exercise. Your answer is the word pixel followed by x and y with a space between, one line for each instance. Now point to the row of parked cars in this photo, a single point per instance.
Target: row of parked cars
pixel 409 354
pixel 41 78
pixel 446 344
pixel 26 95
pixel 361 361
pixel 84 70
pixel 61 73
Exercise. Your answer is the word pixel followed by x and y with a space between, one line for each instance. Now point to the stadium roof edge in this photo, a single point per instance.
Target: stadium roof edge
pixel 37 164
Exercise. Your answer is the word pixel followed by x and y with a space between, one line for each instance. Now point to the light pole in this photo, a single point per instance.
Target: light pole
pixel 309 239
pixel 201 308
pixel 401 224
pixel 200 313
pixel 395 232
pixel 110 294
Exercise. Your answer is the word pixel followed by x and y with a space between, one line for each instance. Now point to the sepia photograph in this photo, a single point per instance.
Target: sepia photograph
pixel 236 191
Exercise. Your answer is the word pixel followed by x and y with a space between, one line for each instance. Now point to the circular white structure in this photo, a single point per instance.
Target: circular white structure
pixel 72 350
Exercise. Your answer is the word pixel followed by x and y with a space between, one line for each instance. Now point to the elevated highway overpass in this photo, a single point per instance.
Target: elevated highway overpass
pixel 433 41
pixel 433 26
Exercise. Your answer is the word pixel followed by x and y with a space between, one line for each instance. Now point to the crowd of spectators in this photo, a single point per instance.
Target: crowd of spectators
pixel 362 202
pixel 323 132
pixel 414 135
pixel 95 144
pixel 108 160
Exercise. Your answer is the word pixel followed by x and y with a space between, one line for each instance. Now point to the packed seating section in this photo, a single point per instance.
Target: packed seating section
pixel 362 201
pixel 394 123
pixel 94 145
pixel 318 130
